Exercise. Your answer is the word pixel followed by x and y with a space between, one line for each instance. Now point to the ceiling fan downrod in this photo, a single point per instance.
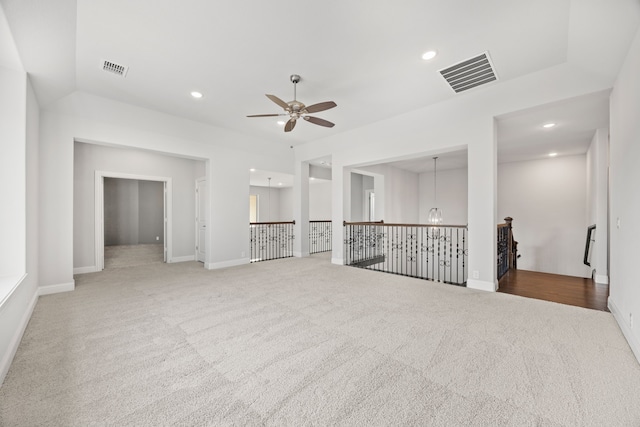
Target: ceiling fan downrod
pixel 295 79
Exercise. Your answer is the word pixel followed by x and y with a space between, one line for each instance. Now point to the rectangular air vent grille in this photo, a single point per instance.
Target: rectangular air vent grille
pixel 114 68
pixel 470 73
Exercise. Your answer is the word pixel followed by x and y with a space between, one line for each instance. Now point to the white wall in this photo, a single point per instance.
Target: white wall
pixel 463 121
pixel 90 158
pixel 451 193
pixel 19 118
pixel 286 204
pixel 268 204
pixel 13 100
pixel 356 190
pixel 624 299
pixel 400 196
pixel 597 203
pixel 151 210
pixel 89 118
pixel 282 201
pixel 120 211
pixel 547 199
pixel 133 211
pixel 319 200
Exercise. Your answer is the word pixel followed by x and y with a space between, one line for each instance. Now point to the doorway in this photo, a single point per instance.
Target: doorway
pixel 201 219
pixel 154 226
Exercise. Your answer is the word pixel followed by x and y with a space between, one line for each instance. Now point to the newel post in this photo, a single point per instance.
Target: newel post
pixel 511 256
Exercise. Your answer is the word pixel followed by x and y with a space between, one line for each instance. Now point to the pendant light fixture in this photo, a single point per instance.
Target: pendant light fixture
pixel 435 214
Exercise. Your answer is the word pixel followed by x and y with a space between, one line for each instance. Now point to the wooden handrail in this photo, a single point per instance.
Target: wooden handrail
pixel 268 223
pixel 320 220
pixel 385 224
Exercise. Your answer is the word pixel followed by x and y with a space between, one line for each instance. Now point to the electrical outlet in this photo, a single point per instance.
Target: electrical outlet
pixel 242 254
pixel 157 237
pixel 476 274
pixel 618 223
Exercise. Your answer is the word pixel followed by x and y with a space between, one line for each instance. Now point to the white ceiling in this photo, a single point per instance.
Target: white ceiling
pixel 365 56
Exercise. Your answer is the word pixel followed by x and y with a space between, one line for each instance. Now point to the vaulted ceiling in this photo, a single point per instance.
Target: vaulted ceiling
pixel 365 56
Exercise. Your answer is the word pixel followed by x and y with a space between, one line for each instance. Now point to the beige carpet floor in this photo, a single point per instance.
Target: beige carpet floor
pixel 298 342
pixel 118 256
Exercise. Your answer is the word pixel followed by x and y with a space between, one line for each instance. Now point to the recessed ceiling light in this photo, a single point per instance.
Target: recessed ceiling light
pixel 252 170
pixel 197 95
pixel 280 122
pixel 553 154
pixel 279 183
pixel 429 55
pixel 312 178
pixel 548 125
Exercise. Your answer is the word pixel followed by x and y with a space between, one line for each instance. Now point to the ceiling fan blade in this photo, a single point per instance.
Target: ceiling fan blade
pixel 320 107
pixel 290 125
pixel 317 121
pixel 268 115
pixel 279 101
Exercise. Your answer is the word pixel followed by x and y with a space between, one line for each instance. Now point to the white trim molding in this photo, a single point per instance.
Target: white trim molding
pixel 7 358
pixel 482 285
pixel 56 289
pixel 85 270
pixel 338 261
pixel 182 258
pixel 225 264
pixel 601 279
pixel 625 328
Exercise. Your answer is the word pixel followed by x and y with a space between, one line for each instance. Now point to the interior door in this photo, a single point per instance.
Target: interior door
pixel 201 218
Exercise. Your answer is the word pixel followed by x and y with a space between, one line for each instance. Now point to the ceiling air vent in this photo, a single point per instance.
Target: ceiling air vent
pixel 114 68
pixel 470 73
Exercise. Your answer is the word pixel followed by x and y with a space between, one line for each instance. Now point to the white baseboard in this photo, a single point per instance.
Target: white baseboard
pixel 338 261
pixel 85 270
pixel 182 258
pixel 7 358
pixel 55 289
pixel 225 264
pixel 623 323
pixel 300 254
pixel 482 285
pixel 601 279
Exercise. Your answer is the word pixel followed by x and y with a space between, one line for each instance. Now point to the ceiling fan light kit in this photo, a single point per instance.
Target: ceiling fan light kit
pixel 297 110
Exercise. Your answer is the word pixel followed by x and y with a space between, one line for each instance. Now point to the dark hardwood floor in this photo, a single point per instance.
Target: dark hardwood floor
pixel 553 287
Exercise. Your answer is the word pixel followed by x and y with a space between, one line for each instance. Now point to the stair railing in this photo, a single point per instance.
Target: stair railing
pixel 270 240
pixel 507 255
pixel 437 253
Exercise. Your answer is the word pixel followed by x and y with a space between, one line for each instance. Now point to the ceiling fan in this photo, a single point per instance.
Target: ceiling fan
pixel 296 109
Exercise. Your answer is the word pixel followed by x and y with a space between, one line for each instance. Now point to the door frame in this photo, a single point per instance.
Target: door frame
pixel 99 212
pixel 197 219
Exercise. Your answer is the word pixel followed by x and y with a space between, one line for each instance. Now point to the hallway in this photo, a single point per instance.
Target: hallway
pixel 569 290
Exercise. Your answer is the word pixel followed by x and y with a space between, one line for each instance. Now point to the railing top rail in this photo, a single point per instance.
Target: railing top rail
pixel 385 224
pixel 268 223
pixel 320 220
